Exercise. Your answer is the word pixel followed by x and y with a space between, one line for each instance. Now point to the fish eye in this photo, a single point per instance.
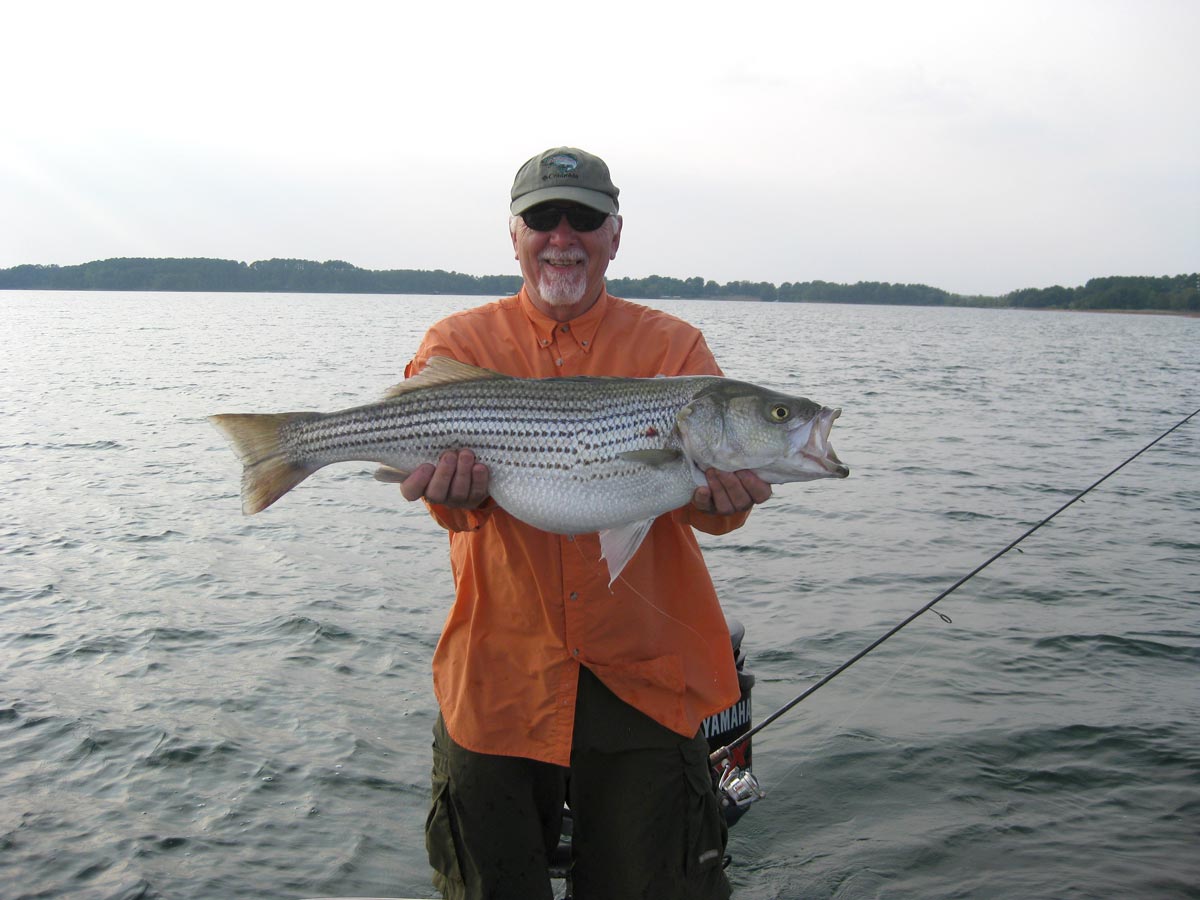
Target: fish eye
pixel 780 413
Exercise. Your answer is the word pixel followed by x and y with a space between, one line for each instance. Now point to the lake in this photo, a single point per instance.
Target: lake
pixel 195 704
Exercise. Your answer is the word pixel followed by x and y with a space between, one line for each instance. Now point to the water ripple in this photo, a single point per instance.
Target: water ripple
pixel 198 704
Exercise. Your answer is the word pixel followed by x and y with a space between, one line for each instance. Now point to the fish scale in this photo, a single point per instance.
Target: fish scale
pixel 541 440
pixel 567 455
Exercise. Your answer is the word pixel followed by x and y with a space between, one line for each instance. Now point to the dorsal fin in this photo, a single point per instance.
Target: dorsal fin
pixel 443 370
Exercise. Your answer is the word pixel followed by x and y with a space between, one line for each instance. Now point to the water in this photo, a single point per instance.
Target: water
pixel 198 705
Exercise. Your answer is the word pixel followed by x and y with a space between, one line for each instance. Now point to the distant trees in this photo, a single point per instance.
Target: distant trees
pixel 881 292
pixel 131 275
pixel 1174 293
pixel 272 275
pixel 656 286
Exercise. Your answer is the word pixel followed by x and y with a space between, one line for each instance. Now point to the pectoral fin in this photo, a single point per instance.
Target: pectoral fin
pixel 388 475
pixel 617 545
pixel 652 457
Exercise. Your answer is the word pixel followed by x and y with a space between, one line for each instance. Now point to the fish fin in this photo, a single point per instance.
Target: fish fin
pixel 443 370
pixel 652 457
pixel 390 475
pixel 267 474
pixel 617 545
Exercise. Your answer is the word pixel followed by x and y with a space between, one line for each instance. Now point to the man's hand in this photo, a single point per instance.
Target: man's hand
pixel 456 481
pixel 730 492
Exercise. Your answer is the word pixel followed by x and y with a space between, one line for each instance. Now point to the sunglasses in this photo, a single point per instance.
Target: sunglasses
pixel 581 218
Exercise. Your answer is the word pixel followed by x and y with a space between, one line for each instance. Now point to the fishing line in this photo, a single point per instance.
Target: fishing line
pixel 646 600
pixel 724 752
pixel 835 729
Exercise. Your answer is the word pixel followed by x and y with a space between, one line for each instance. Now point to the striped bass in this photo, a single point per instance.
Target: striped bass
pixel 567 455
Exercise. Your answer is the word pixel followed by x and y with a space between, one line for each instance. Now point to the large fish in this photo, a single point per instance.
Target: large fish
pixel 567 455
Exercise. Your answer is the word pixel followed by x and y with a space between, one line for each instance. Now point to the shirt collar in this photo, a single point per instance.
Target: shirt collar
pixel 582 329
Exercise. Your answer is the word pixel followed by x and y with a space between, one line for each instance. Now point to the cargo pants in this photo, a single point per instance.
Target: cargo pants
pixel 646 820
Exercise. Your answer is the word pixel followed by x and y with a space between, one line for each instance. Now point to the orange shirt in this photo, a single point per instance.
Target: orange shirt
pixel 531 607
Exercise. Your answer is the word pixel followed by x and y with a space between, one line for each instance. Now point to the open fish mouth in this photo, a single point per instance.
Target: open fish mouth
pixel 816 447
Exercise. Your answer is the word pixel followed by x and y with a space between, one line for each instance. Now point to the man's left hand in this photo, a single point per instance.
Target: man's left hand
pixel 730 492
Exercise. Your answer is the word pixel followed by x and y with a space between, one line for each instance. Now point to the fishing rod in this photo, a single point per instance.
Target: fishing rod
pixel 741 788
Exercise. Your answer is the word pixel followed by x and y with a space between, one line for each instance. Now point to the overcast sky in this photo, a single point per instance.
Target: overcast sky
pixel 977 147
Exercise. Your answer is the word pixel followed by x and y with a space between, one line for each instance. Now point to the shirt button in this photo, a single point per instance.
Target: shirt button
pixel 575 651
pixel 565 329
pixel 574 595
pixel 571 538
pixel 558 362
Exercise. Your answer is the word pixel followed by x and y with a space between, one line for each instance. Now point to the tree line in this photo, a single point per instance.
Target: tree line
pixel 1176 293
pixel 272 275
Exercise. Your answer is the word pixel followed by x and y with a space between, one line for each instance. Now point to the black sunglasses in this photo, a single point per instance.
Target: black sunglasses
pixel 581 218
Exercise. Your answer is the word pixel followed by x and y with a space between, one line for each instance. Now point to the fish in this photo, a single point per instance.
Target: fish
pixel 569 455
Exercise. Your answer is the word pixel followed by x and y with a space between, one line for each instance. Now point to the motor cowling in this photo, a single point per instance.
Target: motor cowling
pixel 724 728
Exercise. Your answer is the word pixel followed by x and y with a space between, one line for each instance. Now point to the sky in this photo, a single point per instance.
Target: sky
pixel 978 147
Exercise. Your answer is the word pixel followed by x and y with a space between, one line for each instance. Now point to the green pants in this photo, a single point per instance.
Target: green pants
pixel 647 823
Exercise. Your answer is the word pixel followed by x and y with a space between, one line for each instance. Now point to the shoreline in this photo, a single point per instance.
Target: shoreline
pixel 1184 313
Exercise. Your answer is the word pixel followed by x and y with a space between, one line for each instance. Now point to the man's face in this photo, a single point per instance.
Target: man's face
pixel 564 268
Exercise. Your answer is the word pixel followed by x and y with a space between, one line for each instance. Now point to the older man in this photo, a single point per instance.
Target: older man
pixel 552 685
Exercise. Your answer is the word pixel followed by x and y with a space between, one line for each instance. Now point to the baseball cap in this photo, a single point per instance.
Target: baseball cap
pixel 564 173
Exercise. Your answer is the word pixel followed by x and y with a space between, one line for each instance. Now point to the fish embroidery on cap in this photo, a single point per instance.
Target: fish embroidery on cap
pixel 560 165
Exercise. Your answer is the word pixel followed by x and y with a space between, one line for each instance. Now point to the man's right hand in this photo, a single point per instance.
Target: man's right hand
pixel 457 481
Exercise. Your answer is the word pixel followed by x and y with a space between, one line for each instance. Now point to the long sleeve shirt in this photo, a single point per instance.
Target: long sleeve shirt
pixel 531 607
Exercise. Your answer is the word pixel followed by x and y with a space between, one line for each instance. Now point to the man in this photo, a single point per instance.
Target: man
pixel 551 684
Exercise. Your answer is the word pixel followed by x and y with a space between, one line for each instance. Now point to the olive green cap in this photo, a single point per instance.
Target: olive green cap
pixel 564 173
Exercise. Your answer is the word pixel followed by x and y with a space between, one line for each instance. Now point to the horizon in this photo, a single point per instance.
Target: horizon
pixel 624 277
pixel 1169 293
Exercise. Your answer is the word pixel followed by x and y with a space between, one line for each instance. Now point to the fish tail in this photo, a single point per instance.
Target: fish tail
pixel 267 472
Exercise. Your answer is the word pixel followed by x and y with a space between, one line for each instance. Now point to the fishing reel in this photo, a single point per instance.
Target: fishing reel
pixel 737 788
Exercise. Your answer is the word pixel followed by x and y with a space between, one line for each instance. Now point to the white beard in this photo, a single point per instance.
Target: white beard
pixel 558 287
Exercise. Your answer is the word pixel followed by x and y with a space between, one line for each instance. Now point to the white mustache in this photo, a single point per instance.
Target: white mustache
pixel 559 258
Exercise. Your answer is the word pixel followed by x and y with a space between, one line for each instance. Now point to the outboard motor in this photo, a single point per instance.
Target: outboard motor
pixel 727 726
pixel 734 781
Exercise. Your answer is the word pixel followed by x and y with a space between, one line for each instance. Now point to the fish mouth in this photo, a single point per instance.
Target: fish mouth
pixel 816 447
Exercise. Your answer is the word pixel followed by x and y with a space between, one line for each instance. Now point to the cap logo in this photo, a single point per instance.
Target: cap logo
pixel 560 164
